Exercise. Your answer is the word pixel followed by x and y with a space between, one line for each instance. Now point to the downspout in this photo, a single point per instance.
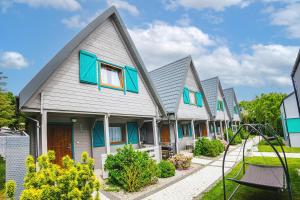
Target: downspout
pixel 37 134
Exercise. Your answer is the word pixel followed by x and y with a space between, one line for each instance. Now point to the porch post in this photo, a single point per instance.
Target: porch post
pixel 106 132
pixel 155 134
pixel 193 130
pixel 222 132
pixel 215 129
pixel 207 128
pixel 44 132
pixel 227 131
pixel 176 136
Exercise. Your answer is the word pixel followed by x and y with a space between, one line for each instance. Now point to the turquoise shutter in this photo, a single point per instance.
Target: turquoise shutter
pixel 186 96
pixel 132 132
pixel 98 134
pixel 293 125
pixel 180 134
pixel 87 67
pixel 131 79
pixel 199 99
pixel 190 130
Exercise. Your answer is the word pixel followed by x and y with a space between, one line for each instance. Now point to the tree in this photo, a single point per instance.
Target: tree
pixel 264 109
pixel 7 109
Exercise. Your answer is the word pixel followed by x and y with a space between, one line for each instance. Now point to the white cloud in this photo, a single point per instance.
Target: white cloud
pixel 12 60
pixel 217 5
pixel 69 5
pixel 79 21
pixel 184 20
pixel 264 65
pixel 289 17
pixel 124 5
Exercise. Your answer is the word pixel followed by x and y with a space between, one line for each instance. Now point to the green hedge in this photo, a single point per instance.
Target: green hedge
pixel 2 173
pixel 166 169
pixel 206 147
pixel 237 139
pixel 131 169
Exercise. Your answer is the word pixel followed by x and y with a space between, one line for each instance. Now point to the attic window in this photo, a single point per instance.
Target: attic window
pixel 192 98
pixel 111 76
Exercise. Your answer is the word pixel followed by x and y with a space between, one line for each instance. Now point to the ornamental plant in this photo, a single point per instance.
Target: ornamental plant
pixel 166 169
pixel 206 147
pixel 181 161
pixel 10 188
pixel 237 139
pixel 51 181
pixel 131 169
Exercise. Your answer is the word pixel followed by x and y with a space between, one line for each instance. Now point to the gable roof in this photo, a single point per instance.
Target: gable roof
pixel 169 81
pixel 43 75
pixel 230 97
pixel 210 87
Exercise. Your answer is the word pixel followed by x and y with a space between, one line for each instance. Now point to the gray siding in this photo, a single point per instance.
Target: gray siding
pixel 290 104
pixel 63 91
pixel 186 111
pixel 221 115
pixel 297 81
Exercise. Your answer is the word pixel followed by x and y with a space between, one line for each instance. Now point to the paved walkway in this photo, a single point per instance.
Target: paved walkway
pixel 272 154
pixel 195 184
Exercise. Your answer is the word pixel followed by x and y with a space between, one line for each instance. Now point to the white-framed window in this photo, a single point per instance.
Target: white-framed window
pixel 115 134
pixel 111 76
pixel 192 98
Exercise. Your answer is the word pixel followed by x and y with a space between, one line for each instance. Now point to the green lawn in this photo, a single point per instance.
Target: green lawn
pixel 248 193
pixel 267 148
pixel 2 177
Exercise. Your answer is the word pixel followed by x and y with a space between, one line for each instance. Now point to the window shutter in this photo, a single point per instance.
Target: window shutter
pixel 131 79
pixel 132 131
pixel 98 134
pixel 180 134
pixel 190 130
pixel 87 67
pixel 186 96
pixel 199 99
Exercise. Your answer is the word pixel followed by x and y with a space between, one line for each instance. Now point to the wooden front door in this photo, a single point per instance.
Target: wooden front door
pixel 165 134
pixel 204 130
pixel 60 140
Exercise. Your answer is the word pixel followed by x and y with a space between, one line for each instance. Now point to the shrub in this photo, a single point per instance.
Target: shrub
pixel 273 142
pixel 131 169
pixel 237 139
pixel 244 134
pixel 181 161
pixel 166 169
pixel 207 147
pixel 10 188
pixel 2 173
pixel 51 181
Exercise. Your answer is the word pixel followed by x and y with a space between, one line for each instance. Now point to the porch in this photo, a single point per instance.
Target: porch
pixel 99 135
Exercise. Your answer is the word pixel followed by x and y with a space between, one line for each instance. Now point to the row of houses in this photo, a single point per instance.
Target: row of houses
pixel 290 109
pixel 96 95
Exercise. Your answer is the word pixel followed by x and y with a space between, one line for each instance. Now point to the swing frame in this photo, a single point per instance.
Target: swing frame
pixel 258 129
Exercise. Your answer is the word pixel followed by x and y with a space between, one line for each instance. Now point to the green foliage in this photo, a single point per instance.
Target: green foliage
pixel 243 133
pixel 206 147
pixel 268 148
pixel 131 169
pixel 273 142
pixel 181 161
pixel 166 169
pixel 10 188
pixel 237 139
pixel 264 109
pixel 8 114
pixel 2 173
pixel 51 181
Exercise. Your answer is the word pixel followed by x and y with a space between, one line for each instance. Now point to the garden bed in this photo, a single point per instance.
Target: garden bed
pixel 161 184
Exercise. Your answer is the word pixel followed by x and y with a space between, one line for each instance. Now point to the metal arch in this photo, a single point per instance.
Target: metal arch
pixel 283 163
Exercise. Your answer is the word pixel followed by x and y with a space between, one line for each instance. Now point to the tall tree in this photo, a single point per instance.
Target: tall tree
pixel 264 109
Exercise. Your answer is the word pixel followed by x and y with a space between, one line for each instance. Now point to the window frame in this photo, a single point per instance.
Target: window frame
pixel 123 133
pixel 121 77
pixel 195 99
pixel 188 130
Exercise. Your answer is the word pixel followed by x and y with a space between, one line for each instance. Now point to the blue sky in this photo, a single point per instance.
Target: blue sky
pixel 250 44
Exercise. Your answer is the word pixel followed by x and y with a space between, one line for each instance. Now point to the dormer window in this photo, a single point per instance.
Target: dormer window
pixel 111 76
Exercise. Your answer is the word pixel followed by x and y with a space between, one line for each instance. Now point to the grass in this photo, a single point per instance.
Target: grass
pixel 267 148
pixel 2 177
pixel 249 193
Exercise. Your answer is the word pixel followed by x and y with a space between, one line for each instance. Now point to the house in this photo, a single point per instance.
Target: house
pixel 180 90
pixel 218 106
pixel 95 95
pixel 290 120
pixel 233 107
pixel 290 109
